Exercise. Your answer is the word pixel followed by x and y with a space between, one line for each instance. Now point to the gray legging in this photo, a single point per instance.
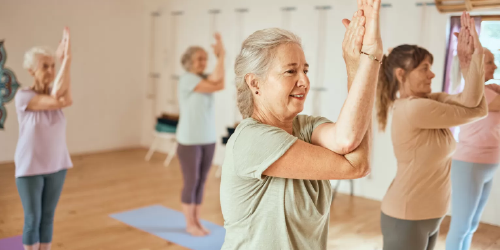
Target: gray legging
pixel 409 234
pixel 195 163
pixel 39 195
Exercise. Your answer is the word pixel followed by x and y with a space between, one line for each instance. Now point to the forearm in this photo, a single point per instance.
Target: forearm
pixel 218 73
pixel 63 79
pixel 355 116
pixel 360 157
pixel 474 83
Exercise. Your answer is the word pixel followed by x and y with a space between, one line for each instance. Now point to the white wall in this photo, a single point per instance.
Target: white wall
pixel 108 70
pixel 404 22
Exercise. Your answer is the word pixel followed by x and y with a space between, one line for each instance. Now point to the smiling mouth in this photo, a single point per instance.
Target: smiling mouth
pixel 298 96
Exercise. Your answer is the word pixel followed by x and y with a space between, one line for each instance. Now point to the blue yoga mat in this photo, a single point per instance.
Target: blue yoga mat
pixel 170 225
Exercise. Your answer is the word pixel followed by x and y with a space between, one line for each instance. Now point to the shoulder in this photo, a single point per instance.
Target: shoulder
pixel 413 103
pixel 188 77
pixel 250 126
pixel 25 94
pixel 253 133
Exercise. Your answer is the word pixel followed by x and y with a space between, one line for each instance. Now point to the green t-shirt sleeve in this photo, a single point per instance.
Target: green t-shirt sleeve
pixel 256 147
pixel 306 125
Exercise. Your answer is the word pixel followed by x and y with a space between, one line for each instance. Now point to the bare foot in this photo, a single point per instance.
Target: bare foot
pixel 203 228
pixel 195 231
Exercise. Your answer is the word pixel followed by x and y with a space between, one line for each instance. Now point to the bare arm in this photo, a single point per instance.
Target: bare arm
pixel 207 86
pixel 356 114
pixel 62 81
pixel 214 81
pixel 311 162
pixel 47 102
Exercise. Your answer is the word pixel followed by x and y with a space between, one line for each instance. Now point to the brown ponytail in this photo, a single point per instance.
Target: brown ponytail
pixel 406 57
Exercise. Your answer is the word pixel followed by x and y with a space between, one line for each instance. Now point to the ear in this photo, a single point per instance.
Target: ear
pixel 252 82
pixel 400 75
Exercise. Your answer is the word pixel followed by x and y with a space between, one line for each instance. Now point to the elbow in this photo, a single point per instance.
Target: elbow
pixel 362 170
pixel 348 144
pixel 221 85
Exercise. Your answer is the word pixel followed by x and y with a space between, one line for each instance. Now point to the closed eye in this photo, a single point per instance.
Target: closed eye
pixel 292 71
pixel 306 71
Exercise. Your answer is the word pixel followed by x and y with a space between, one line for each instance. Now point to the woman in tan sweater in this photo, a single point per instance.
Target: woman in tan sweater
pixel 419 196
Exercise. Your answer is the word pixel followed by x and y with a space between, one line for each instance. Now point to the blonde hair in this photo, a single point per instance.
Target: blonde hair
pixel 255 57
pixel 31 56
pixel 186 59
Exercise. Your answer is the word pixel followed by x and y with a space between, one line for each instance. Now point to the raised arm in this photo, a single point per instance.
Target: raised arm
pixel 61 86
pixel 355 116
pixel 470 55
pixel 214 81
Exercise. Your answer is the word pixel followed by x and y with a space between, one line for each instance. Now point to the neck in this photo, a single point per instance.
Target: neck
pixel 196 73
pixel 406 94
pixel 273 120
pixel 40 88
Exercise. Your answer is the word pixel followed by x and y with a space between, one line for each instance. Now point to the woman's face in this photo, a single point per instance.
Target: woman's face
pixel 418 81
pixel 44 72
pixel 489 65
pixel 199 62
pixel 285 88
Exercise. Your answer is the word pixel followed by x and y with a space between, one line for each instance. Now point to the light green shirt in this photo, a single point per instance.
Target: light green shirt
pixel 197 113
pixel 263 212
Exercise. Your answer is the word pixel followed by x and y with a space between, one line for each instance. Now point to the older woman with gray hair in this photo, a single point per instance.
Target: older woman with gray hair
pixel 275 189
pixel 42 156
pixel 196 128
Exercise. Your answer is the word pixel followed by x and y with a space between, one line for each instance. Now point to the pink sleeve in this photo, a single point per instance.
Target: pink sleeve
pixel 23 98
pixel 490 93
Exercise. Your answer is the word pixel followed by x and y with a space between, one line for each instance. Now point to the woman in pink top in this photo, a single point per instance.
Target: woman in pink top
pixel 418 198
pixel 42 155
pixel 474 164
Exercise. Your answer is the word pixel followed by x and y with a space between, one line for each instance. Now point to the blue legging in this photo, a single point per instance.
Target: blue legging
pixel 471 185
pixel 39 195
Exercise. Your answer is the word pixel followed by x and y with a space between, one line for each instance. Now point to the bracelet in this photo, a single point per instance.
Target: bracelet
pixel 372 57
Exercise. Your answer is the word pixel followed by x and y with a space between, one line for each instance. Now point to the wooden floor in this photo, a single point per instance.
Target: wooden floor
pixel 102 184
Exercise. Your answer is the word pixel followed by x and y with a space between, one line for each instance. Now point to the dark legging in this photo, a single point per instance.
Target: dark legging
pixel 39 196
pixel 195 163
pixel 409 234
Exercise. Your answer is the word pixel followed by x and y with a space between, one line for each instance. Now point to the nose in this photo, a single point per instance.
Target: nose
pixel 432 75
pixel 303 81
pixel 51 70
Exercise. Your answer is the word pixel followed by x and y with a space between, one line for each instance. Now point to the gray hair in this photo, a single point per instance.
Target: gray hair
pixel 186 59
pixel 31 56
pixel 255 57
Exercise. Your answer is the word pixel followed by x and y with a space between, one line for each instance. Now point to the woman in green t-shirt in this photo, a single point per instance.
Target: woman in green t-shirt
pixel 275 189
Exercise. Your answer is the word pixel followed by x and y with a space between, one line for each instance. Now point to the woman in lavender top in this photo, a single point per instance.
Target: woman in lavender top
pixel 42 156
